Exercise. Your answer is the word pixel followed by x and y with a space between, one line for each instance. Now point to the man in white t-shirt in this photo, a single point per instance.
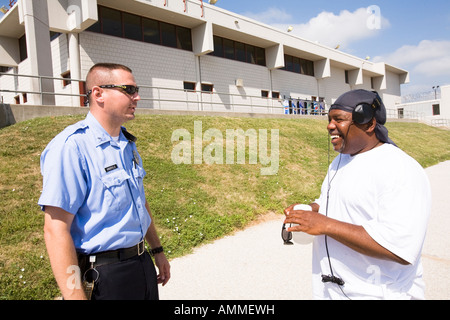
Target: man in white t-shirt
pixel 371 218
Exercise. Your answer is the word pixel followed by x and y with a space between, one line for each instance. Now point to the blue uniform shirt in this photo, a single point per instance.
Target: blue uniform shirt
pixel 100 182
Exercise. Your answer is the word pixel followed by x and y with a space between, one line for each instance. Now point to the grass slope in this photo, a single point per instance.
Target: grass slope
pixel 191 203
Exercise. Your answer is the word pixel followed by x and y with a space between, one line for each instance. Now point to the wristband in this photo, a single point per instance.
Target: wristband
pixel 156 250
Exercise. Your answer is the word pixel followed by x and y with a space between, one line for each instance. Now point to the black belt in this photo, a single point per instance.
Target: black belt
pixel 107 257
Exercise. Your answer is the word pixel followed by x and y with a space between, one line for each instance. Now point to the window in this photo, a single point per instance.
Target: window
pixel 260 56
pixel 298 65
pixel 130 26
pixel 264 93
pixel 66 75
pixel 54 35
pixel 275 95
pixel 168 35
pixel 218 47
pixel 111 22
pixel 23 48
pixel 151 31
pixel 207 87
pixel 5 69
pixel 346 77
pixel 240 51
pixel 436 110
pixel 228 49
pixel 184 39
pixel 189 86
pixel 234 50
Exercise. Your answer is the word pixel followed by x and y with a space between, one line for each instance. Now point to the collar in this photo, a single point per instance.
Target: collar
pixel 100 134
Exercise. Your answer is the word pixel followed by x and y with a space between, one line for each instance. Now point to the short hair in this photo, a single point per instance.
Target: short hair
pixel 105 68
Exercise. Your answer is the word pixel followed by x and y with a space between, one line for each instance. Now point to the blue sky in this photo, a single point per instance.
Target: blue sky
pixel 413 35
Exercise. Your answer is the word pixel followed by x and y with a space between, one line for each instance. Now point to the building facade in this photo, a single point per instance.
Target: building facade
pixel 185 55
pixel 435 112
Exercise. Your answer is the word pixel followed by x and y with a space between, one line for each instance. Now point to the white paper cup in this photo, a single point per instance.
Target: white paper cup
pixel 298 236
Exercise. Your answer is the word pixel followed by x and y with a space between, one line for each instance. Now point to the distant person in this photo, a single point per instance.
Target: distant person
pixel 96 213
pixel 371 218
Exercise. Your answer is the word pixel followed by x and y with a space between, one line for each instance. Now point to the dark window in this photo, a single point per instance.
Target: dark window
pixel 275 94
pixel 289 64
pixel 298 65
pixel 132 28
pixel 228 49
pixel 207 87
pixel 184 40
pixel 264 93
pixel 66 75
pixel 5 69
pixel 436 110
pixel 307 67
pixel 346 77
pixel 111 22
pixel 54 35
pixel 23 48
pixel 168 35
pixel 251 54
pixel 240 51
pixel 151 31
pixel 189 86
pixel 260 56
pixel 218 47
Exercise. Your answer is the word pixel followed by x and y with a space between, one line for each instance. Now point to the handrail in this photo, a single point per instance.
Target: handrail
pixel 202 100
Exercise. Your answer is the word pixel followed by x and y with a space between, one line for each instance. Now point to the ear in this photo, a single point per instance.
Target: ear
pixel 97 95
pixel 371 125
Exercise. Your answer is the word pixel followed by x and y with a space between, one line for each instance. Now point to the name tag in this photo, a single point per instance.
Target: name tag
pixel 111 168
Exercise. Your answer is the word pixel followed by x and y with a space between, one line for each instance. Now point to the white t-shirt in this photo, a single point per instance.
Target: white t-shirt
pixel 388 193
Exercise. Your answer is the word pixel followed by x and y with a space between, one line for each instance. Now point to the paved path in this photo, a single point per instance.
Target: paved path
pixel 255 265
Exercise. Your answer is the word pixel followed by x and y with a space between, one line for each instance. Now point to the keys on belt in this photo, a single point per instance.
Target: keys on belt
pixel 88 263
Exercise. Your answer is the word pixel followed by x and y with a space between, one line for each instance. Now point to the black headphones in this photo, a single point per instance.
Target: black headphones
pixel 364 112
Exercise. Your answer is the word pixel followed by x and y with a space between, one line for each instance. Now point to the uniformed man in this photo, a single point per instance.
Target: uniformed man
pixel 96 213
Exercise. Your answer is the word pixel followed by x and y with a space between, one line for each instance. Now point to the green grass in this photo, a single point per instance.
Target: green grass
pixel 191 204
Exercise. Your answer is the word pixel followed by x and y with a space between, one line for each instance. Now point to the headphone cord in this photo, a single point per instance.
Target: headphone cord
pixel 332 278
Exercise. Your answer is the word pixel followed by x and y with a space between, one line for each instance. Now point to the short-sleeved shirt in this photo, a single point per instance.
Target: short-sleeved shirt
pixel 388 193
pixel 98 180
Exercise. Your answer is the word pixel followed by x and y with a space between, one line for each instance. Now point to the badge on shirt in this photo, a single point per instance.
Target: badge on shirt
pixel 111 168
pixel 135 158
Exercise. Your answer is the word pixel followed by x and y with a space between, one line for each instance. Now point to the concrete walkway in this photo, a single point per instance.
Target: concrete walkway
pixel 255 265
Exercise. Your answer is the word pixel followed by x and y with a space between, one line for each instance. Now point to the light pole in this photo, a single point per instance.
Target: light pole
pixel 435 88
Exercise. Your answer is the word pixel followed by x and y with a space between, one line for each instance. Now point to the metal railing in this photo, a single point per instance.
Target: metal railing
pixel 160 98
pixel 40 91
pixel 440 122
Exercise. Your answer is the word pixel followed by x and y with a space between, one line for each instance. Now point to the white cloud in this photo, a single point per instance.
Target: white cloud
pixel 270 16
pixel 429 58
pixel 327 28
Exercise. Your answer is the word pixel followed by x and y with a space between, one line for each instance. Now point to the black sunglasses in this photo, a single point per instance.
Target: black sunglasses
pixel 129 89
pixel 286 235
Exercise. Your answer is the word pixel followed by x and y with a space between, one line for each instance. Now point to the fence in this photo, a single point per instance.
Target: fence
pixel 159 98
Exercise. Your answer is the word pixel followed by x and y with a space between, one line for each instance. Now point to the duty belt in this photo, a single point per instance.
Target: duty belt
pixel 107 257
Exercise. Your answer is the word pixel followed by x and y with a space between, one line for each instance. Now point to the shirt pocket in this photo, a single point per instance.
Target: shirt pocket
pixel 139 173
pixel 116 193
